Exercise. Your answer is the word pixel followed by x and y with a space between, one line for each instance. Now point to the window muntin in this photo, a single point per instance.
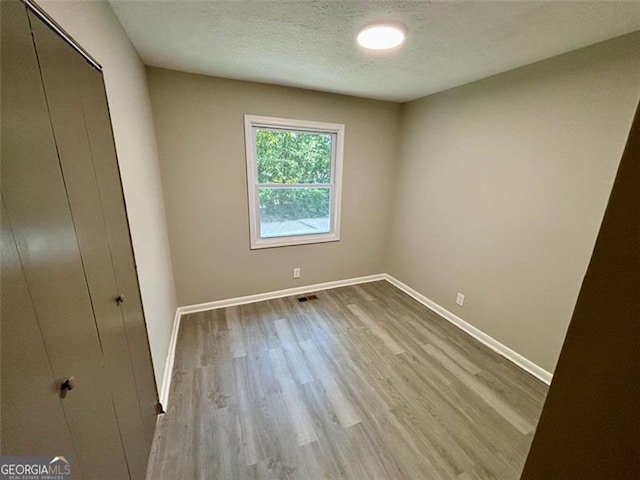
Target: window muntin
pixel 294 179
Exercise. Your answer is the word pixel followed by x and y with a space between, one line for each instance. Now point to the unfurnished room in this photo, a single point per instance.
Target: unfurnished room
pixel 309 240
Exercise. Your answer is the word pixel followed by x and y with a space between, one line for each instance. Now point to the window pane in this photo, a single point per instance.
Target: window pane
pixel 292 156
pixel 294 211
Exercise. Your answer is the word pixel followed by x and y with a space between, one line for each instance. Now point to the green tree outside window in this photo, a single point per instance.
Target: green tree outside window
pixel 286 157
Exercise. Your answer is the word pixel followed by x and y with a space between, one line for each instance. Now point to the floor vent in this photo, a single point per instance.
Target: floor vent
pixel 307 298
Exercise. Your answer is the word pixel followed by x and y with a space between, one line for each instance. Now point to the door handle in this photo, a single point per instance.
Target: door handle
pixel 120 299
pixel 69 384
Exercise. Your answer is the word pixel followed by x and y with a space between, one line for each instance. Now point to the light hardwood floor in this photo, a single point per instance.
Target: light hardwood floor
pixel 362 383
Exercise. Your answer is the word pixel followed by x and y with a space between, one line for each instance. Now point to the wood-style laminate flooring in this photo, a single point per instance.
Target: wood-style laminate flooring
pixel 361 383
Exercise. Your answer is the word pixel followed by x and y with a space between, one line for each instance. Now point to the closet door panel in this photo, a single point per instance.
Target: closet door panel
pixel 108 175
pixel 33 421
pixel 67 80
pixel 38 211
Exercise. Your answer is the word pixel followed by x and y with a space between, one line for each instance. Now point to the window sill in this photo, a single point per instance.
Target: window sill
pixel 275 242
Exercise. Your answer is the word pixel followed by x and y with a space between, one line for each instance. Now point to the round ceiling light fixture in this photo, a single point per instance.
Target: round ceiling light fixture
pixel 381 36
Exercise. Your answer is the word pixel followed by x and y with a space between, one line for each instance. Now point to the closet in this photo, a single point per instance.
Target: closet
pixel 76 372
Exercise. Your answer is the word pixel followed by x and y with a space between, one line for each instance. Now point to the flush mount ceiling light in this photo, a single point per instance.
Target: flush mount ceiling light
pixel 381 36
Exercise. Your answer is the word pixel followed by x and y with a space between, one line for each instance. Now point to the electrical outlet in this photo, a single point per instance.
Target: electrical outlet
pixel 460 299
pixel 296 272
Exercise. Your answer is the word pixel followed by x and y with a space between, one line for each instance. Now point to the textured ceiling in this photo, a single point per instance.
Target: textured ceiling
pixel 311 44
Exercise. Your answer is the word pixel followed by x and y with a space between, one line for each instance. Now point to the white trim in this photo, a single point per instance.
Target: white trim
pixel 259 297
pixel 168 366
pixel 335 186
pixel 302 239
pixel 492 343
pixel 514 357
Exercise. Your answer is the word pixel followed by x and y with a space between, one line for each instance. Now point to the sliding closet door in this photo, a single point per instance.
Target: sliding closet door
pixel 38 211
pixel 71 85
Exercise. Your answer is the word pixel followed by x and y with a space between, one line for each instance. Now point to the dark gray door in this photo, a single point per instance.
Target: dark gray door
pixel 74 89
pixel 32 416
pixel 38 211
pixel 115 216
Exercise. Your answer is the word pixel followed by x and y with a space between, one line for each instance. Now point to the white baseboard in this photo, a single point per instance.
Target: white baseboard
pixel 522 362
pixel 168 366
pixel 259 297
pixel 479 335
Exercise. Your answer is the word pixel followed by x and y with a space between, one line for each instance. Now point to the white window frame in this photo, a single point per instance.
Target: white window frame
pixel 335 184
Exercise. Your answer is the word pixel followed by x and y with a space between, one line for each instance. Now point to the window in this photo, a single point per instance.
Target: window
pixel 294 177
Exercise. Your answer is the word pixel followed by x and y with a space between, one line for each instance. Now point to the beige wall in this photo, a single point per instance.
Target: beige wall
pixel 96 28
pixel 591 410
pixel 502 185
pixel 199 126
